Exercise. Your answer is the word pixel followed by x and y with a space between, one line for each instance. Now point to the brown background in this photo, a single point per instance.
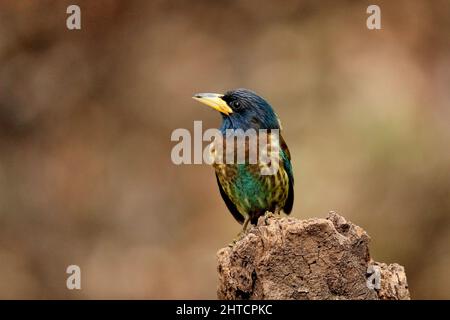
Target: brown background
pixel 86 116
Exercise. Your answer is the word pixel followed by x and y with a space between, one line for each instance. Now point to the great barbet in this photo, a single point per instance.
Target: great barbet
pixel 247 192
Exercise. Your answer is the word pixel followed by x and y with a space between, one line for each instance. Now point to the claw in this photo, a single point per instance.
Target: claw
pixel 267 216
pixel 232 243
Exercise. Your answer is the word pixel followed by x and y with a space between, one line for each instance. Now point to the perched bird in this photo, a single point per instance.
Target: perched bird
pixel 247 193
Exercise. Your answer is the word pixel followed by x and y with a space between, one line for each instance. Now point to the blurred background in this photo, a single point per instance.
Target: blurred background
pixel 86 176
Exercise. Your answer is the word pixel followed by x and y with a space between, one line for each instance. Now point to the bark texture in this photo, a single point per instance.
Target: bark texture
pixel 287 258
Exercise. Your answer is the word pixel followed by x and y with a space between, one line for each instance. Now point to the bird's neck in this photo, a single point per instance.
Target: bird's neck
pixel 227 124
pixel 236 123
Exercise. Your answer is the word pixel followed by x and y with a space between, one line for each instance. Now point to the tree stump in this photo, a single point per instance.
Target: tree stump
pixel 287 258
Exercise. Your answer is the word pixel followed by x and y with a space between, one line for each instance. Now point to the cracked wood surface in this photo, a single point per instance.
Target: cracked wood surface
pixel 287 258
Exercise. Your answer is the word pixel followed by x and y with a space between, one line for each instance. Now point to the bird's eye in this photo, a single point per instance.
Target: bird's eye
pixel 236 104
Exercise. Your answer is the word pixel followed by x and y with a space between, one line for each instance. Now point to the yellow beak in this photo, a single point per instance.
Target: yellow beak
pixel 214 100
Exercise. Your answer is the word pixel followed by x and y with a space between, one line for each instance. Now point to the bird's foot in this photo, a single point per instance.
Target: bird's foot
pixel 233 242
pixel 239 236
pixel 267 216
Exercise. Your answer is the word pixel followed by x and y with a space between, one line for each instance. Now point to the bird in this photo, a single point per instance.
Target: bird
pixel 247 193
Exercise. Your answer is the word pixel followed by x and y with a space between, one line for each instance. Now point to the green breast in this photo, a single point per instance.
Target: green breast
pixel 251 192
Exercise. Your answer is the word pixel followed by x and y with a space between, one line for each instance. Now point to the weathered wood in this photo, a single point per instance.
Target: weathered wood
pixel 287 258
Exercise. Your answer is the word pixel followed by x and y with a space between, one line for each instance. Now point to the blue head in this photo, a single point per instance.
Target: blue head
pixel 241 109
